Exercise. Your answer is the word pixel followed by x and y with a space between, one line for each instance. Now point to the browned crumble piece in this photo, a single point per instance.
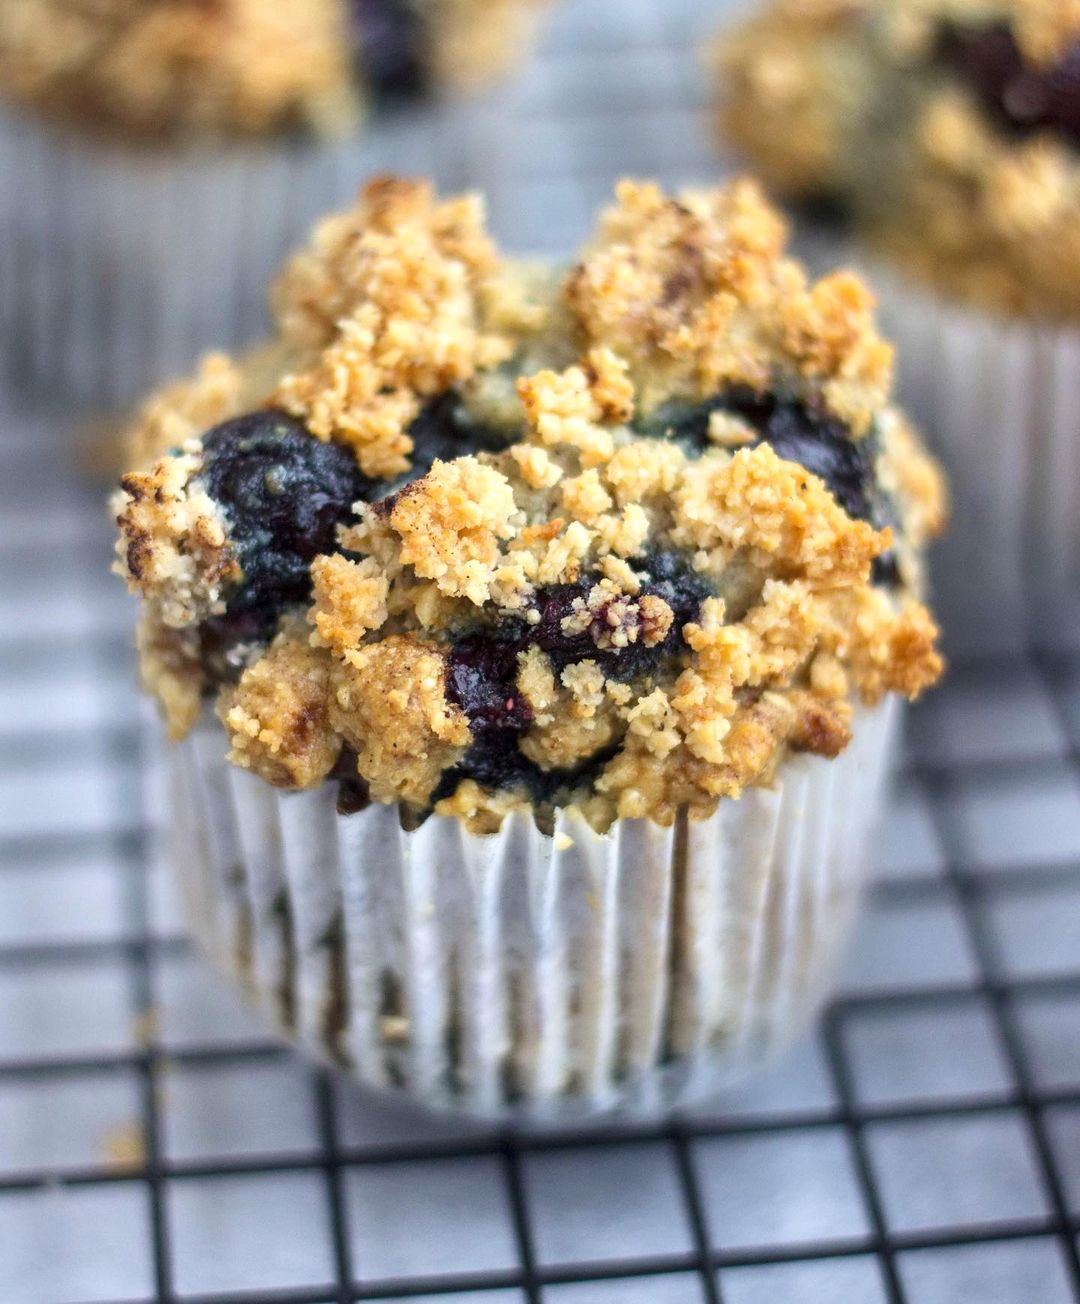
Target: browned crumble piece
pixel 756 500
pixel 388 700
pixel 822 727
pixel 893 651
pixel 694 294
pixel 451 525
pixel 173 545
pixel 391 300
pixel 614 620
pixel 350 601
pixel 277 716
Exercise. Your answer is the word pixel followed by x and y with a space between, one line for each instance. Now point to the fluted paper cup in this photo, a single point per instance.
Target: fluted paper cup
pixel 525 974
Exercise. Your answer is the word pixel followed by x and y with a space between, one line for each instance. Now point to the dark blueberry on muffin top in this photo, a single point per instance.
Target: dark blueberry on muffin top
pixel 446 429
pixel 283 494
pixel 389 38
pixel 1021 96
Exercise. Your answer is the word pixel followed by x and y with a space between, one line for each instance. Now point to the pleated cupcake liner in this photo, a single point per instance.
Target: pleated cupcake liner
pixel 120 266
pixel 522 974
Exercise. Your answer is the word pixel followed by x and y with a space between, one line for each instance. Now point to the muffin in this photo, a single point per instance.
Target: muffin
pixel 173 144
pixel 246 67
pixel 527 640
pixel 945 132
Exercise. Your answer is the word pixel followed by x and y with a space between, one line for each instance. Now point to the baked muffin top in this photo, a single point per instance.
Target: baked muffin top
pixel 168 68
pixel 948 128
pixel 467 533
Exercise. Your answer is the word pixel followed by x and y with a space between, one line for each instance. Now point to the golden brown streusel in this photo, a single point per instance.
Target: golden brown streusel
pixel 388 701
pixel 855 102
pixel 173 544
pixel 579 601
pixel 277 715
pixel 392 298
pixel 695 293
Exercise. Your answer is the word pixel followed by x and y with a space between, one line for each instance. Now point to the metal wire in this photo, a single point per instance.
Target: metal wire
pixel 139 952
pixel 30 565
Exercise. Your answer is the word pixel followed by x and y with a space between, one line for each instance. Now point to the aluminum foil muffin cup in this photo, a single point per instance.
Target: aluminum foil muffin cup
pixel 1000 402
pixel 521 973
pixel 119 266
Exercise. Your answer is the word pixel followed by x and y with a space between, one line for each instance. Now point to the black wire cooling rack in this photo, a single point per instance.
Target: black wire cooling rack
pixel 922 1146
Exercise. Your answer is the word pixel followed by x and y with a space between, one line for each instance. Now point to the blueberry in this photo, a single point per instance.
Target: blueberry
pixel 1020 96
pixel 224 642
pixel 482 668
pixel 353 794
pixel 824 447
pixel 672 578
pixel 1063 87
pixel 390 41
pixel 496 762
pixel 554 605
pixel 283 494
pixel 480 678
pixel 797 432
pixel 445 429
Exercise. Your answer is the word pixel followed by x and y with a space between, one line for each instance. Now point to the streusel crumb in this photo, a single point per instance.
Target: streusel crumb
pixel 623 541
pixel 277 716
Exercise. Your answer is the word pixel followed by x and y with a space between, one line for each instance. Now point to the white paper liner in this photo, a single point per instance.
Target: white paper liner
pixel 516 973
pixel 1000 403
pixel 120 266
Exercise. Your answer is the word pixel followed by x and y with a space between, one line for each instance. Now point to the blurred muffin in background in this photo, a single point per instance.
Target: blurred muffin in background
pixel 248 67
pixel 163 147
pixel 947 132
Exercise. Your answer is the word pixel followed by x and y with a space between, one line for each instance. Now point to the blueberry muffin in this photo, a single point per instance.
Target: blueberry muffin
pixel 529 564
pixel 947 128
pixel 246 67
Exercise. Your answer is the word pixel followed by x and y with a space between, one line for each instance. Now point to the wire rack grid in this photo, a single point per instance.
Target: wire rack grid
pixel 923 1145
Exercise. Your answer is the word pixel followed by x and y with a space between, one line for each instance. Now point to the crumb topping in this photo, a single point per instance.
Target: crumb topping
pixel 451 524
pixel 577 575
pixel 388 701
pixel 391 298
pixel 180 65
pixel 694 294
pixel 173 544
pixel 277 716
